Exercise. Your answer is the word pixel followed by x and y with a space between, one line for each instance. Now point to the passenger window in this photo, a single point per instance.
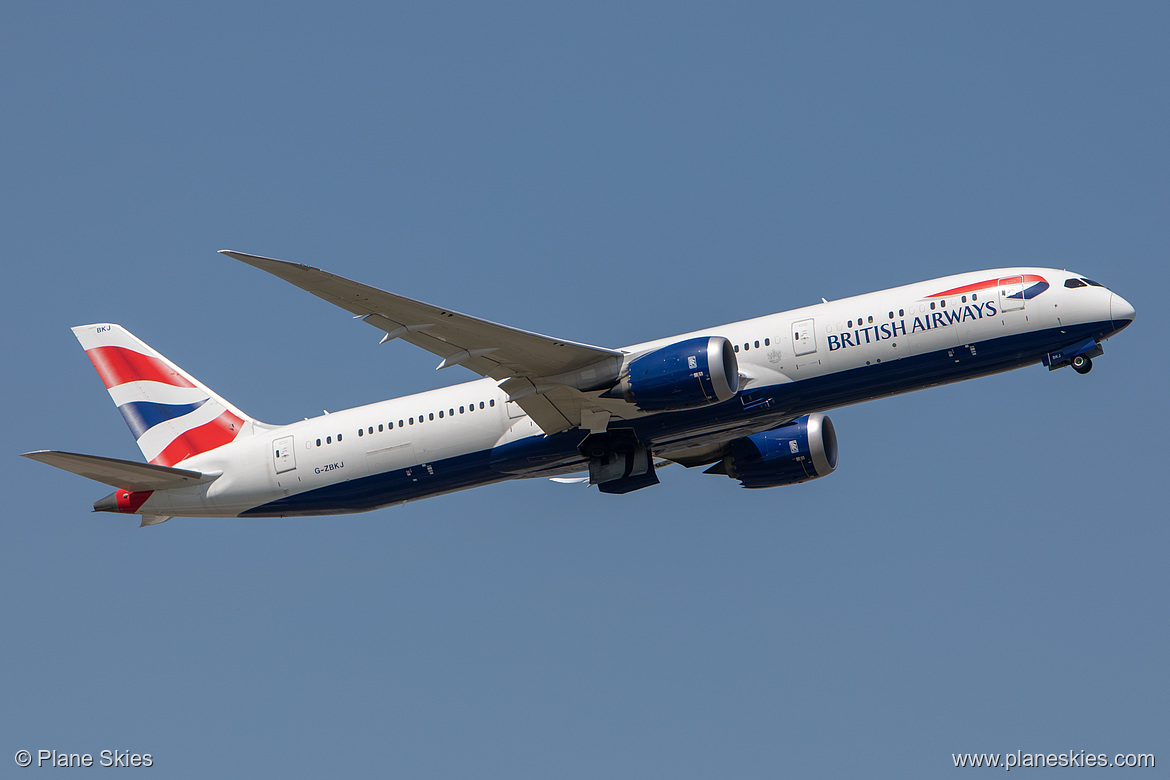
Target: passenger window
pixel 736 347
pixel 891 315
pixel 412 421
pixel 850 323
pixel 450 412
pixel 974 297
pixel 318 442
pixel 372 428
pixel 757 344
pixel 490 403
pixel 380 427
pixel 869 320
pixel 400 423
pixel 964 299
pixel 767 342
pixel 943 303
pixel 328 439
pixel 360 432
pixel 431 416
pixel 440 415
pixel 339 438
pixel 460 410
pixel 901 312
pixel 932 304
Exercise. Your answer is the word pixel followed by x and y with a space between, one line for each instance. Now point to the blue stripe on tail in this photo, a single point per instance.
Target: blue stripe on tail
pixel 141 416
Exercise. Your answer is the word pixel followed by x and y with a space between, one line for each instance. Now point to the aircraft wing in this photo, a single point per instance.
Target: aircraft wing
pixel 547 377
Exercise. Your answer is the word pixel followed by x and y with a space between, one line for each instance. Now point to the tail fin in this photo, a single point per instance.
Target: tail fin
pixel 171 414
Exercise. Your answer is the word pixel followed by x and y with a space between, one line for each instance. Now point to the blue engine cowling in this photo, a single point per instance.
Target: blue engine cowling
pixel 685 375
pixel 803 449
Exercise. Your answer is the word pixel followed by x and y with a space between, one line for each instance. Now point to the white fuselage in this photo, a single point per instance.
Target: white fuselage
pixel 449 428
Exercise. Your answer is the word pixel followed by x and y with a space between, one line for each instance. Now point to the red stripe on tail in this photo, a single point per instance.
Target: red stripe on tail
pixel 218 432
pixel 118 365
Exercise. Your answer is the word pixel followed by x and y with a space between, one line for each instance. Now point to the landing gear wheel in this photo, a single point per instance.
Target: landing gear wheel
pixel 1082 364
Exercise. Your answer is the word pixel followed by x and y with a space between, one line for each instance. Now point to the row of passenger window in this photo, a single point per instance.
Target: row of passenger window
pixel 942 304
pixel 389 426
pixel 747 346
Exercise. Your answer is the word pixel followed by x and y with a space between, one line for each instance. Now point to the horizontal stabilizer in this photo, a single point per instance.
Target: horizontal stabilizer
pixel 126 474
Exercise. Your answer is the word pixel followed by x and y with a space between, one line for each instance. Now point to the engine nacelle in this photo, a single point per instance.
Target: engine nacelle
pixel 685 375
pixel 803 449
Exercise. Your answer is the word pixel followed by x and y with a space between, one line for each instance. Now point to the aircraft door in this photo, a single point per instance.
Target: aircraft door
pixel 388 458
pixel 283 456
pixel 1011 293
pixel 804 338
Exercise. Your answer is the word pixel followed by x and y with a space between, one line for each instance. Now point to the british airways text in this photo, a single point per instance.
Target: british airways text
pixel 930 321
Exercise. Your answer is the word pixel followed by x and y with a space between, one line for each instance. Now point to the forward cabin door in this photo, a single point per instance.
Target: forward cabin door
pixel 1011 293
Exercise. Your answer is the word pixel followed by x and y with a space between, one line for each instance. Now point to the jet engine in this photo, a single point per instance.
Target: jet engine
pixel 803 449
pixel 684 375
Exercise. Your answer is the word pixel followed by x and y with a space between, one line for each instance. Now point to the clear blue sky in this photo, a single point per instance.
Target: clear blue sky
pixel 986 571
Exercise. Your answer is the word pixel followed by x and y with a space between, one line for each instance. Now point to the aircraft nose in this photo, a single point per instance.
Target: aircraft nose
pixel 1120 311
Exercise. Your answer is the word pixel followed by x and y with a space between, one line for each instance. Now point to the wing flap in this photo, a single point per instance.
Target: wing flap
pixel 124 474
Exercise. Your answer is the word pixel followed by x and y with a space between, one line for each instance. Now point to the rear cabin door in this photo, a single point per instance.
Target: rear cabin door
pixel 283 456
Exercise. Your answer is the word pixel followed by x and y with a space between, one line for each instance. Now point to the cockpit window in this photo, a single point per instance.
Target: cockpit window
pixel 1091 282
pixel 1071 283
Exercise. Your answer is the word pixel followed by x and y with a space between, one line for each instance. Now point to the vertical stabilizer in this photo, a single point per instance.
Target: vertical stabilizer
pixel 172 415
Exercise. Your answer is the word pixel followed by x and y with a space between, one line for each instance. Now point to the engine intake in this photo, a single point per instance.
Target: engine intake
pixel 803 449
pixel 685 375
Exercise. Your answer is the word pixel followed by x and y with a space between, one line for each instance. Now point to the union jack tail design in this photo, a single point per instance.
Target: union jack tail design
pixel 171 414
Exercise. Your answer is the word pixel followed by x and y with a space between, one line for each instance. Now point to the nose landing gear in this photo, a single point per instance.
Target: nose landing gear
pixel 1079 356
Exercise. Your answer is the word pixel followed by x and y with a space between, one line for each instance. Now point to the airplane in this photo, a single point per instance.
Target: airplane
pixel 746 400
